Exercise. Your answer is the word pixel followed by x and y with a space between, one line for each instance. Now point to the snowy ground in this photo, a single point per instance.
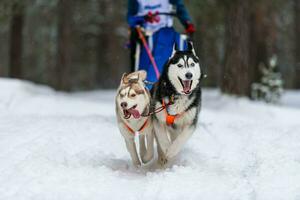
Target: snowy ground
pixel 67 147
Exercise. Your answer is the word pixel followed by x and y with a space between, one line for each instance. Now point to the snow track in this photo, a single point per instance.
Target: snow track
pixel 62 146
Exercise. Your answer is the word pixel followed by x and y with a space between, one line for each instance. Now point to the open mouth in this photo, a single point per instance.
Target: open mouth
pixel 186 85
pixel 131 111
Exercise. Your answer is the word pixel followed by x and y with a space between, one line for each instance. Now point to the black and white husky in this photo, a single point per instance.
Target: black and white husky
pixel 178 89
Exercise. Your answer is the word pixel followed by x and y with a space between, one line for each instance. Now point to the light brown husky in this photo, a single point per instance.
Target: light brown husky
pixel 132 107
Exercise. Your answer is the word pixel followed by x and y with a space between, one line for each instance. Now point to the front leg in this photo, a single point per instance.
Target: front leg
pixel 162 160
pixel 178 143
pixel 133 153
pixel 142 146
pixel 150 147
pixel 161 136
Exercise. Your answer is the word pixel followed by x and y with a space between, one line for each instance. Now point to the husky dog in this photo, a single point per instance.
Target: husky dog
pixel 132 107
pixel 178 90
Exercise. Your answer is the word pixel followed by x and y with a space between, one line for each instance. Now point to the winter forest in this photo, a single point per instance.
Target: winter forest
pixel 61 136
pixel 80 45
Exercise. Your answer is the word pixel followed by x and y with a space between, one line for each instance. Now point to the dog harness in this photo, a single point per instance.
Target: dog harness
pixel 170 119
pixel 140 130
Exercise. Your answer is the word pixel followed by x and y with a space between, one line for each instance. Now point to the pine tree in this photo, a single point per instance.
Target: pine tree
pixel 270 87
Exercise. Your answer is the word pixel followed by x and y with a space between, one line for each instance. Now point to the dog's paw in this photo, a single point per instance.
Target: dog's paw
pixel 162 160
pixel 147 157
pixel 137 164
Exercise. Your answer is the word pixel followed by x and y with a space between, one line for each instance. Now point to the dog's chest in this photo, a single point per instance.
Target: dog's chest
pixel 180 105
pixel 180 109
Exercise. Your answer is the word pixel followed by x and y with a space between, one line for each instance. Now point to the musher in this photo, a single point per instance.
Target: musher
pixel 155 18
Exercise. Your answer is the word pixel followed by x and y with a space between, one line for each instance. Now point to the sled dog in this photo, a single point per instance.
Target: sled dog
pixel 178 89
pixel 132 107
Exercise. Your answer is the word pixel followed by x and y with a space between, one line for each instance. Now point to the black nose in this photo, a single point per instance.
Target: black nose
pixel 189 75
pixel 123 104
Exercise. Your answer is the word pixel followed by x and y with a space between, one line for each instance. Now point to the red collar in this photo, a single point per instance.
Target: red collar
pixel 140 130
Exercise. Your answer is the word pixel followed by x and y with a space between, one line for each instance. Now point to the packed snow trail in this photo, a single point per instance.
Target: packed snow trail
pixel 62 146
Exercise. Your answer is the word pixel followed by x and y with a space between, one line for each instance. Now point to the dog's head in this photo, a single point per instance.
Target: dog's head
pixel 132 97
pixel 184 70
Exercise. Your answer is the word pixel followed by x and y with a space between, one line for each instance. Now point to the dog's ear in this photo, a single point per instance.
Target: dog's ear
pixel 175 48
pixel 133 77
pixel 191 47
pixel 142 75
pixel 124 79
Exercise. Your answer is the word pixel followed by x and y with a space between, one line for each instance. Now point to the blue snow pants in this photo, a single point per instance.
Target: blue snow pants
pixel 161 43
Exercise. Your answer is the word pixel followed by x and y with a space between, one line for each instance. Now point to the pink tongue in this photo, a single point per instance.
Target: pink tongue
pixel 186 86
pixel 135 113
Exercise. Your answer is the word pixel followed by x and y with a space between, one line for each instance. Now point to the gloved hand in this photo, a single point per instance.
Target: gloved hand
pixel 152 17
pixel 189 28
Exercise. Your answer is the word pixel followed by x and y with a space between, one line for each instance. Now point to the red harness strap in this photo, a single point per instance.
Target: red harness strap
pixel 143 39
pixel 140 130
pixel 170 119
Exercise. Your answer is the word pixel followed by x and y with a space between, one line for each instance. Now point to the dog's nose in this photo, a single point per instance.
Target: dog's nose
pixel 189 75
pixel 123 104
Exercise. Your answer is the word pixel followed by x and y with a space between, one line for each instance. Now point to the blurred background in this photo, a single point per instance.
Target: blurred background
pixel 80 44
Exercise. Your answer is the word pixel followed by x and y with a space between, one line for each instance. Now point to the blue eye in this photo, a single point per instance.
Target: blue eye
pixel 192 64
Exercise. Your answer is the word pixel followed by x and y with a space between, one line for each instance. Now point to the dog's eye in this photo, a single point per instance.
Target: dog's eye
pixel 133 95
pixel 180 65
pixel 192 64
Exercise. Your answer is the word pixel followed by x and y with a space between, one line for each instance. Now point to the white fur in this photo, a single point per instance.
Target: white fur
pixel 175 71
pixel 171 140
pixel 142 101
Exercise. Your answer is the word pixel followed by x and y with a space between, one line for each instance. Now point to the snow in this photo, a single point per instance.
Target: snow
pixel 55 145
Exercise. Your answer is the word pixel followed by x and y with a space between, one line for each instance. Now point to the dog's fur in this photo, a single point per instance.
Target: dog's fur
pixel 136 97
pixel 187 101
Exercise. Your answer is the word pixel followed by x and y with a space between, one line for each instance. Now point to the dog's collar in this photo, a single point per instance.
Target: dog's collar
pixel 140 130
pixel 170 119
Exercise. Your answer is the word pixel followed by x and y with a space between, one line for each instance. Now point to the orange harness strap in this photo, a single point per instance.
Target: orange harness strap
pixel 140 130
pixel 170 119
